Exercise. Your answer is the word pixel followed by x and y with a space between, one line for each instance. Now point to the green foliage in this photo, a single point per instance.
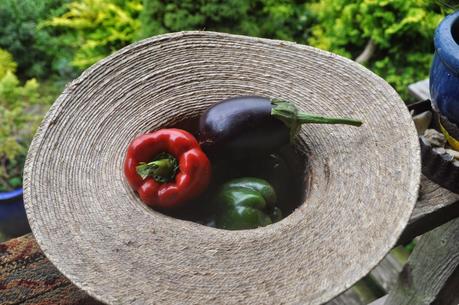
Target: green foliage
pixel 18 114
pixel 96 28
pixel 7 63
pixel 287 20
pixel 37 51
pixel 401 30
pixel 410 246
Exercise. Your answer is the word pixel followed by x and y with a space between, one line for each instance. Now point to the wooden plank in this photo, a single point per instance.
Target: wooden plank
pixel 449 295
pixel 420 89
pixel 380 301
pixel 386 273
pixel 435 207
pixel 368 290
pixel 349 297
pixel 432 265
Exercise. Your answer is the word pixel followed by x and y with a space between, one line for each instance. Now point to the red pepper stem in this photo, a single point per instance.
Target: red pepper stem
pixel 163 167
pixel 289 114
pixel 162 170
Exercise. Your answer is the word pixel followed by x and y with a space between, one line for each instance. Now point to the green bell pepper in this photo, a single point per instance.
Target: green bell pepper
pixel 246 203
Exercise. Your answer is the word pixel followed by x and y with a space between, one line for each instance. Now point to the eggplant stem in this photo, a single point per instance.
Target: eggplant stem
pixel 304 117
pixel 290 116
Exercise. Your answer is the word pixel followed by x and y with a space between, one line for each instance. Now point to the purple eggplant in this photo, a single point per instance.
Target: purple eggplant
pixel 253 124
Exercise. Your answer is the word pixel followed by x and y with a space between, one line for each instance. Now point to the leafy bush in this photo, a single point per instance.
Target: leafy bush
pixel 287 20
pixel 96 28
pixel 37 51
pixel 7 63
pixel 19 121
pixel 398 35
pixel 395 34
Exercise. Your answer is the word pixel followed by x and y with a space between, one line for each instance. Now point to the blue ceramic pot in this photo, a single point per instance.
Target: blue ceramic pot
pixel 444 73
pixel 13 219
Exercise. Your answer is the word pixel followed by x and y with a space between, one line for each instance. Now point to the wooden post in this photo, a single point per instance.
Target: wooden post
pixel 435 206
pixel 432 271
pixel 349 297
pixel 450 292
pixel 380 301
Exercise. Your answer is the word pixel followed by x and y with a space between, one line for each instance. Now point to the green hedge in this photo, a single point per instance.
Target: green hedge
pixel 38 52
pixel 399 32
pixel 93 29
pixel 18 121
pixel 288 20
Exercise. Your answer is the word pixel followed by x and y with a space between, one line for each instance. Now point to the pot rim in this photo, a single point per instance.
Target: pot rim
pixel 446 46
pixel 4 196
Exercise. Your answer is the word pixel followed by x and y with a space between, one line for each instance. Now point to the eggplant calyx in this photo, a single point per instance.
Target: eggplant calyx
pixel 292 118
pixel 288 114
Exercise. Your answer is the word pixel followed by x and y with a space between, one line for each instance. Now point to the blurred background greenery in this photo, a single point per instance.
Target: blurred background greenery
pixel 46 43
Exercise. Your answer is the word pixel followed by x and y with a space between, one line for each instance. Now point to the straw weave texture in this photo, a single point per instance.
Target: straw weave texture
pixel 94 228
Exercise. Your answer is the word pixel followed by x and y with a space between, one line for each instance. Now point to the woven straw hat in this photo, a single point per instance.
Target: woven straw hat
pixel 93 227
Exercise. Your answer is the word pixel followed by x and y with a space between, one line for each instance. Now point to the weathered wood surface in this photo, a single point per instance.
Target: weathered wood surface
pixel 386 273
pixel 349 297
pixel 449 295
pixel 382 278
pixel 435 207
pixel 377 302
pixel 432 266
pixel 420 89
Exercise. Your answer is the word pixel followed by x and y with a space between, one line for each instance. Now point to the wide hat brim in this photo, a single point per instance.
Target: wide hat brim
pixel 94 228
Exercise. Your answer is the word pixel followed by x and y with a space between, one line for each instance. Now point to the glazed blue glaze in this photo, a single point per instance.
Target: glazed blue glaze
pixel 13 219
pixel 444 73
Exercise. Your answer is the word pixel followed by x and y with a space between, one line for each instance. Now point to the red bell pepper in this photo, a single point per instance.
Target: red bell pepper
pixel 167 167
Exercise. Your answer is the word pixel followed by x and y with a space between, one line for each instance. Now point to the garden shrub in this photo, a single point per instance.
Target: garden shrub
pixel 7 63
pixel 96 28
pixel 37 51
pixel 401 32
pixel 287 20
pixel 19 120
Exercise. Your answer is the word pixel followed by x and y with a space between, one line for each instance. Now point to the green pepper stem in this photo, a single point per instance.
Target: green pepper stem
pixel 289 114
pixel 163 169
